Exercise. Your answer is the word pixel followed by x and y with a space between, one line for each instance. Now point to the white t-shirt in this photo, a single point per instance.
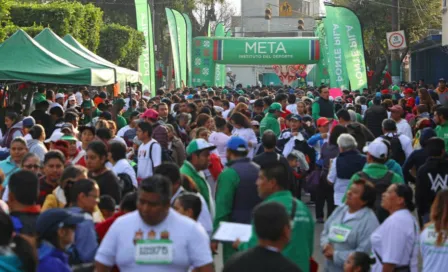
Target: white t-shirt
pixel 119 139
pixel 394 240
pixel 247 134
pixel 435 258
pixel 78 97
pixel 123 167
pixel 123 130
pixel 147 161
pixel 404 128
pixel 225 114
pixel 191 246
pixel 219 139
pixel 292 108
pixel 340 185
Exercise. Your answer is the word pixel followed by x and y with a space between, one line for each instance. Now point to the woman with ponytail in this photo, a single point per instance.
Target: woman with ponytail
pixel 16 254
pixel 433 239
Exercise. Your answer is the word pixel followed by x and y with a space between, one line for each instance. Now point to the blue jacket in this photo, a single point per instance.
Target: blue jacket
pixel 8 168
pixel 52 259
pixel 86 240
pixel 10 263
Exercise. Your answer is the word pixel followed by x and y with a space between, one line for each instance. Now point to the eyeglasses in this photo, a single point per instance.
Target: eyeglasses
pixel 30 166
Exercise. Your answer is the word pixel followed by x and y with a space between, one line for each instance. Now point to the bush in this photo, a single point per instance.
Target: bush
pixel 30 30
pixel 121 45
pixel 82 21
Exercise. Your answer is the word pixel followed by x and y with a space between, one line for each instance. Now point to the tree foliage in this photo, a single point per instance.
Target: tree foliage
pixel 121 45
pixel 417 17
pixel 4 19
pixel 82 21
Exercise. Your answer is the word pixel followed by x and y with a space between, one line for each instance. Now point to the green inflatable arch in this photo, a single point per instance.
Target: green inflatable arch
pixel 209 51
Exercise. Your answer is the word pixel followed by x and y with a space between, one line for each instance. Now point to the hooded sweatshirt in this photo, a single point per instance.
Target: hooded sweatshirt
pixel 38 148
pixel 9 262
pixel 52 259
pixel 14 132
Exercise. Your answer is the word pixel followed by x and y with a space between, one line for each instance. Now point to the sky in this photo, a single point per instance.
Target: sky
pixel 237 5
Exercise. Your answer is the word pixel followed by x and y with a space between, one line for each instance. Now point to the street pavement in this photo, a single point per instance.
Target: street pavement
pixel 317 255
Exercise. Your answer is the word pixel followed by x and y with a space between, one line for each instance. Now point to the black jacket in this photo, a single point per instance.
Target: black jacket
pixel 432 177
pixel 373 119
pixel 260 259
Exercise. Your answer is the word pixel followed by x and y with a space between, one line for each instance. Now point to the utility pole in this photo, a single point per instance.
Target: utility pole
pixel 395 54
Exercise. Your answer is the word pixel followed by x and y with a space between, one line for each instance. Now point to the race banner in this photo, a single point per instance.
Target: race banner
pixel 189 50
pixel 182 42
pixel 144 61
pixel 333 31
pixel 352 46
pixel 174 46
pixel 220 69
pixel 322 67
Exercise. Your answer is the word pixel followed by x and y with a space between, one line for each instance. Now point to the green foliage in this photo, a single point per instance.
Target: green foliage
pixel 82 21
pixel 121 45
pixel 30 30
pixel 4 18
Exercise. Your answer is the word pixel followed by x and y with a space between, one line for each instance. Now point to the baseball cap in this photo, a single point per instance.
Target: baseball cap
pixel 295 117
pixel 338 99
pixel 408 91
pixel 151 114
pixel 53 219
pixel 276 107
pixel 395 88
pixel 67 128
pixel 237 144
pixel 59 95
pixel 103 95
pixel 28 121
pixel 396 108
pixel 442 80
pixel 255 123
pixel 69 138
pixel 56 136
pixel 225 91
pixel 190 96
pixel 87 104
pixel 71 97
pixel 323 121
pixel 199 145
pixel 106 115
pixel 120 101
pixel 377 149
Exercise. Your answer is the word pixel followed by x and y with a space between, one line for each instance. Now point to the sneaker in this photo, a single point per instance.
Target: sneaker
pixel 319 220
pixel 310 203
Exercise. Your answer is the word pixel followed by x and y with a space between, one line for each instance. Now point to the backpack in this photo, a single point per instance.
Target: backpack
pixel 125 183
pixel 166 155
pixel 381 185
pixel 397 149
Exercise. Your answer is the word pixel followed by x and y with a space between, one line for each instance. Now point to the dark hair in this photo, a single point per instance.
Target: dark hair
pixel 158 184
pixel 19 140
pixel 269 139
pixel 404 191
pixel 58 111
pixel 292 98
pixel 107 203
pixel 202 119
pixel 191 201
pixel 117 150
pixel 322 87
pixel 43 105
pixel 280 97
pixel 54 154
pixel 362 260
pixel 220 122
pixel 389 125
pixel 267 100
pixel 343 114
pixel 36 131
pixel 26 157
pixel 14 117
pixel 129 202
pixel 84 186
pixel 278 172
pixel 240 119
pixel 145 127
pixel 70 117
pixel 270 220
pixel 335 133
pixel 435 147
pixel 25 187
pixel 369 193
pixel 22 249
pixel 169 170
pixel 442 111
pixel 104 134
pixel 98 148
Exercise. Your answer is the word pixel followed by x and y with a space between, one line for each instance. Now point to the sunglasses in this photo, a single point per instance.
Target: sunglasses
pixel 31 166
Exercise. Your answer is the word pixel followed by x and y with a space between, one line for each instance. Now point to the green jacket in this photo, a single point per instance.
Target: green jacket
pixel 127 114
pixel 39 97
pixel 270 122
pixel 228 182
pixel 203 188
pixel 442 132
pixel 300 248
pixel 374 170
pixel 121 122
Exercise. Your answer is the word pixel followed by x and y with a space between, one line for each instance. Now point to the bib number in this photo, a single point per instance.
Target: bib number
pixel 154 252
pixel 339 233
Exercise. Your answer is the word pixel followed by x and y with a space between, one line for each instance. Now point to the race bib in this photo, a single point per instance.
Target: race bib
pixel 339 233
pixel 154 252
pixel 431 237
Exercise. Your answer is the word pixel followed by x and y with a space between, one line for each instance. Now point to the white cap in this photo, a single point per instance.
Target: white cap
pixel 255 123
pixel 56 136
pixel 218 108
pixel 59 95
pixel 71 97
pixel 377 149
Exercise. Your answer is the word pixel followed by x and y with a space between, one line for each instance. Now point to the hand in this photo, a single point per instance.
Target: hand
pixel 295 133
pixel 214 247
pixel 328 251
pixel 324 135
pixel 236 244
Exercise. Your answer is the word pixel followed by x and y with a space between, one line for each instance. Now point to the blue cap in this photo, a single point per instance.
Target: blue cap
pixel 296 117
pixel 53 219
pixel 190 96
pixel 237 144
pixel 28 122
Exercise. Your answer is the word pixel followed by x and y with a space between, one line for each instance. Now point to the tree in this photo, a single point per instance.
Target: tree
pixel 4 18
pixel 416 18
pixel 224 12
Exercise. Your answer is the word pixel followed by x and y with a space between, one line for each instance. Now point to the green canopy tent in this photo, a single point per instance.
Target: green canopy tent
pixel 59 47
pixel 123 74
pixel 23 59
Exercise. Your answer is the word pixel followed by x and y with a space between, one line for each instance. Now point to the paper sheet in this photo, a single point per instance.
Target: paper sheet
pixel 230 232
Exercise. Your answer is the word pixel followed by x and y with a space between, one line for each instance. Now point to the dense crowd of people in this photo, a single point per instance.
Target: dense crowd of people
pixel 138 183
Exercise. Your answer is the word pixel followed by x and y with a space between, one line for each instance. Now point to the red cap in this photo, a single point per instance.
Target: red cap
pixel 323 121
pixel 408 91
pixel 385 91
pixel 396 108
pixel 151 114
